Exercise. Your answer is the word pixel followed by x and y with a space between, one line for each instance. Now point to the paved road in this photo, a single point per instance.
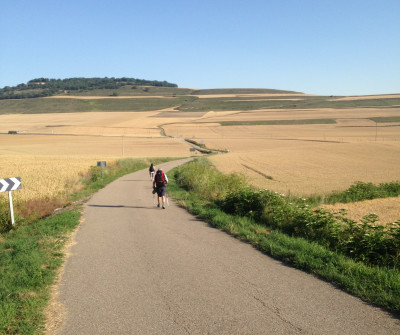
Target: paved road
pixel 137 269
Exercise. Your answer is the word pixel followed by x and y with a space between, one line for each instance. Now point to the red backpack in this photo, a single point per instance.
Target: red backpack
pixel 160 178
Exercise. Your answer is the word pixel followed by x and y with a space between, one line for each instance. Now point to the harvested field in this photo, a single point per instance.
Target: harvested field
pixel 91 146
pixel 302 159
pixel 388 210
pixel 310 168
pixel 138 124
pixel 301 153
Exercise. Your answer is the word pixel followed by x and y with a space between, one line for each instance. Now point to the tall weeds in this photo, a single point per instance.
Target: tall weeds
pixel 202 178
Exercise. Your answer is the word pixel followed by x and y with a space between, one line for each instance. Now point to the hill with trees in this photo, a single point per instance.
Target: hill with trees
pixel 44 87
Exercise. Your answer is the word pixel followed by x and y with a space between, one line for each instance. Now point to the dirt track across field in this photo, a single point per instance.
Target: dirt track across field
pixel 137 269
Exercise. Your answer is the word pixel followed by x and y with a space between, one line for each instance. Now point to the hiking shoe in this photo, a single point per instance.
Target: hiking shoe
pixel 163 207
pixel 158 205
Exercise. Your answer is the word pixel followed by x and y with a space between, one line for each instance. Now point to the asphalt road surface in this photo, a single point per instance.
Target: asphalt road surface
pixel 138 269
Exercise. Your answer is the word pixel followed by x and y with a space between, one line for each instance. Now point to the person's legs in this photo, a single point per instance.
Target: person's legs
pixel 159 194
pixel 163 193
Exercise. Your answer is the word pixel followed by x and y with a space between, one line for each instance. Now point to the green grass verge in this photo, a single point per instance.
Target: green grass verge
pixel 32 253
pixel 377 285
pixel 30 257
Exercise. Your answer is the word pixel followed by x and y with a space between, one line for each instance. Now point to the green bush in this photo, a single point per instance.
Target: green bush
pixel 245 202
pixel 296 218
pixel 366 242
pixel 365 191
pixel 95 173
pixel 201 177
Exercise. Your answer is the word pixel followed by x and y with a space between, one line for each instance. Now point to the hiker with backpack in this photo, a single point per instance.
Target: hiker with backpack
pixel 160 182
pixel 152 171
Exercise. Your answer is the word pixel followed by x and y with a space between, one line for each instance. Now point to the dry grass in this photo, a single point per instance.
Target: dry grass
pixel 388 210
pixel 302 159
pixel 297 159
pixel 308 168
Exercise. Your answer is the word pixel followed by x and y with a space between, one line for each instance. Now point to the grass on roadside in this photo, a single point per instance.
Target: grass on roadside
pixel 30 257
pixel 378 285
pixel 32 252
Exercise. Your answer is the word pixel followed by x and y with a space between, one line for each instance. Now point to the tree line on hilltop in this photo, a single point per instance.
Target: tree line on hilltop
pixel 44 87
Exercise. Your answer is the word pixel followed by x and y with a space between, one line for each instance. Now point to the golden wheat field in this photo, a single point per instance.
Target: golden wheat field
pixel 53 149
pixel 300 159
pixel 44 177
pixel 51 165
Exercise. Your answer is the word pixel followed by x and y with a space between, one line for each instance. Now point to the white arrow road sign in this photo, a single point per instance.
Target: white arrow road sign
pixel 10 184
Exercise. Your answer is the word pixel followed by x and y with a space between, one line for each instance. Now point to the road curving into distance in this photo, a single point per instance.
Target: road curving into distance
pixel 137 269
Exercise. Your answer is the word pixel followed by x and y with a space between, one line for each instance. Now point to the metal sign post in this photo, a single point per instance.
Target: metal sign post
pixel 10 184
pixel 101 164
pixel 11 207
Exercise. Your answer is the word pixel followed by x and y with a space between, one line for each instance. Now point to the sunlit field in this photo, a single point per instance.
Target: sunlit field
pixel 44 177
pixel 302 159
pixel 306 159
pixel 50 165
pixel 95 147
pixel 288 149
pixel 133 124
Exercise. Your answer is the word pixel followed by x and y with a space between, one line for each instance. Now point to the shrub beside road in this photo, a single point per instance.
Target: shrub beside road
pixel 362 259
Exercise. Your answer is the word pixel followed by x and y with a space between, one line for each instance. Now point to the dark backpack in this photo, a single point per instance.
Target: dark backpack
pixel 160 178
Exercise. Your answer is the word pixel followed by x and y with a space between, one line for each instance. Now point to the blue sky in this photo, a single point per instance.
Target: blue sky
pixel 342 47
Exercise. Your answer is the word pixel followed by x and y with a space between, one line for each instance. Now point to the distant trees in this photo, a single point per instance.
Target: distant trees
pixel 42 87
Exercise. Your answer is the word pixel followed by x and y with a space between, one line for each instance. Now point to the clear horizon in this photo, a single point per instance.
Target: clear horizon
pixel 326 48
